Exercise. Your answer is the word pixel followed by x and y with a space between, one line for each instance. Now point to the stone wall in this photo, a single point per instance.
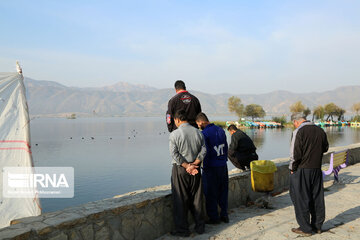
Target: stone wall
pixel 144 214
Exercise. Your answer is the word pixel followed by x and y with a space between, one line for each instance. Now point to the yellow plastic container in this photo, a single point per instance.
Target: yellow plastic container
pixel 262 175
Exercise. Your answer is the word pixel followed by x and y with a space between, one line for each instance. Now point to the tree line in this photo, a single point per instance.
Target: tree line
pixel 330 110
pixel 251 110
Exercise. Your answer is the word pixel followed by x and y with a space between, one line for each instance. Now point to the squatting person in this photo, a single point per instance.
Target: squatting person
pixel 188 150
pixel 308 144
pixel 242 149
pixel 215 172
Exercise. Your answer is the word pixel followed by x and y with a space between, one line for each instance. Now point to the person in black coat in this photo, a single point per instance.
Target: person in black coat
pixel 308 144
pixel 183 100
pixel 242 149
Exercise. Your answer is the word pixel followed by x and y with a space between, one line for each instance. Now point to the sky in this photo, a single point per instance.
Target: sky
pixel 236 47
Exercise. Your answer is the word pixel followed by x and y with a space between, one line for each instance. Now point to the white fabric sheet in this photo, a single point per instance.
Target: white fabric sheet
pixel 15 148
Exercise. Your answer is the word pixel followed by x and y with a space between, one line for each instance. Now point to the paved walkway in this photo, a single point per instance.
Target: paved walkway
pixel 342 215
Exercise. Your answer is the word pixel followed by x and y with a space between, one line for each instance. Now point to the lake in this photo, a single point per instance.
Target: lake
pixel 112 156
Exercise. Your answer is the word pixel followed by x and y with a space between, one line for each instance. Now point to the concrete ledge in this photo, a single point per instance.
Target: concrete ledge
pixel 143 214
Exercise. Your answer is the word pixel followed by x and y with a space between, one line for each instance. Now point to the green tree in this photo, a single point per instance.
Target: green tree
pixel 254 111
pixel 356 108
pixel 297 107
pixel 330 110
pixel 340 113
pixel 281 120
pixel 319 112
pixel 307 112
pixel 356 118
pixel 235 106
pixel 72 116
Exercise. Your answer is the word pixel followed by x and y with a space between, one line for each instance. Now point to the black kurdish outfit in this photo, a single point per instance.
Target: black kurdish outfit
pixel 308 144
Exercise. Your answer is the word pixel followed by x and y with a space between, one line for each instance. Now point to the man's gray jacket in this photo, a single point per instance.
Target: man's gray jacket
pixel 186 144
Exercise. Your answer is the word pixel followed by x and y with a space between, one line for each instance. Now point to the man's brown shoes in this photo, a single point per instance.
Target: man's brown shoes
pixel 300 232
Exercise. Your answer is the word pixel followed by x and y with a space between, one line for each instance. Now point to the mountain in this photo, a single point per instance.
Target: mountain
pixel 117 87
pixel 124 99
pixel 125 87
pixel 31 83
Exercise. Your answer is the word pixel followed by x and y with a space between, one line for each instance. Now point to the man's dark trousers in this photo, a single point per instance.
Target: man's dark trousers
pixel 216 184
pixel 307 195
pixel 243 160
pixel 187 195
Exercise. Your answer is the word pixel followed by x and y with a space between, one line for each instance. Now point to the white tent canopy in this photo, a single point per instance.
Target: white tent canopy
pixel 15 150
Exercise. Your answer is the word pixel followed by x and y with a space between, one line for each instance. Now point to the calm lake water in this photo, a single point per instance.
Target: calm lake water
pixel 112 156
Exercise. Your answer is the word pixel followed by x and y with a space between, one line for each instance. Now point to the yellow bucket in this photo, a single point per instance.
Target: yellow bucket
pixel 262 175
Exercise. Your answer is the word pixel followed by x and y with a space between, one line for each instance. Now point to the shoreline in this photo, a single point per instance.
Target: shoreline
pixel 142 214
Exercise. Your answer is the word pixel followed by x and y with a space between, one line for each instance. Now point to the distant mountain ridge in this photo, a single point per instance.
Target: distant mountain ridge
pixel 125 99
pixel 117 87
pixel 125 87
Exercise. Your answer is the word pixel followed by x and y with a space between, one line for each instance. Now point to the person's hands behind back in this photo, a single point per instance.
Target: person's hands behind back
pixel 192 169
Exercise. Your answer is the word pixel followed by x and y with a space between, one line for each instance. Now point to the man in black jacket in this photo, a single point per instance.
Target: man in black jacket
pixel 308 144
pixel 242 149
pixel 183 100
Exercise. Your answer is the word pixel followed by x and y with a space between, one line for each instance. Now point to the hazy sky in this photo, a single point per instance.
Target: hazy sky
pixel 214 46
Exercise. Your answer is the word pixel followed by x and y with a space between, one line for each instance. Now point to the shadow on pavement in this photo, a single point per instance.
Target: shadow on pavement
pixel 240 214
pixel 330 186
pixel 343 218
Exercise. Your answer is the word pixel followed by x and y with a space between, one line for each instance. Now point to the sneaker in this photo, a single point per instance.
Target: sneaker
pixel 225 219
pixel 180 234
pixel 300 232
